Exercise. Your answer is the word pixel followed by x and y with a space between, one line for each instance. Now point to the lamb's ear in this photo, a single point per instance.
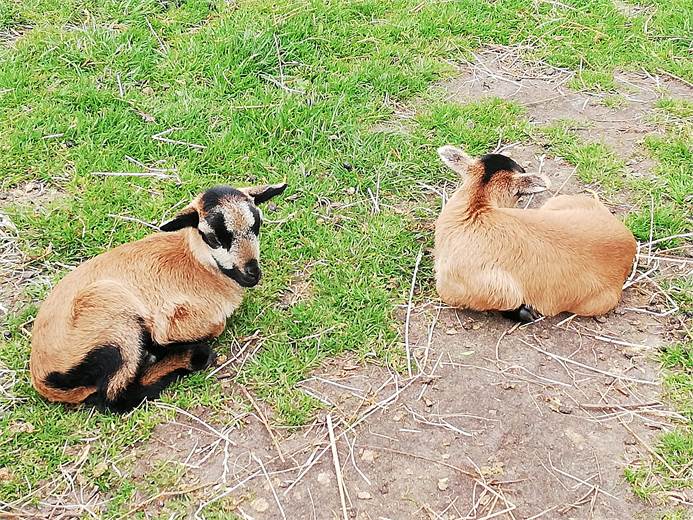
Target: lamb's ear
pixel 261 194
pixel 455 158
pixel 186 218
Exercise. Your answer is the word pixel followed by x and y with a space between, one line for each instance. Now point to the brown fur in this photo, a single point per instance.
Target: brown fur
pixel 166 289
pixel 190 301
pixel 570 255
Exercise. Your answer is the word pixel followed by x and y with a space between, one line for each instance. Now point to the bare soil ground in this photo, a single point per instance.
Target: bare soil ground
pixel 17 271
pixel 495 421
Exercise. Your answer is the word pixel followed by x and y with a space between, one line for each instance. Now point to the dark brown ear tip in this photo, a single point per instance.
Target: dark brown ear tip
pixel 269 192
pixel 186 219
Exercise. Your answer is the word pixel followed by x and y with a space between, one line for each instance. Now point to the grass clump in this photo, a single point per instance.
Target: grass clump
pixel 671 470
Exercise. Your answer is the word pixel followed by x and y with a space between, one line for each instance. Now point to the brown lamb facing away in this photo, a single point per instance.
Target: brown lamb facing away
pixel 570 255
pixel 125 324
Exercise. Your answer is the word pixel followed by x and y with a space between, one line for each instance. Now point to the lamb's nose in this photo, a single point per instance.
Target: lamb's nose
pixel 252 269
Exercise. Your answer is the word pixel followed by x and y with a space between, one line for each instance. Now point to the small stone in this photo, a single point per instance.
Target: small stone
pixel 99 469
pixel 324 478
pixel 443 483
pixel 445 456
pixel 476 326
pixel 368 456
pixel 428 402
pixel 364 495
pixel 629 442
pixel 221 360
pixel 565 409
pixel 493 470
pixel 398 416
pixel 260 505
pixel 272 206
pixel 600 319
pixel 492 412
pixel 5 474
pixel 350 191
pixel 147 91
pixel 320 220
pixel 22 427
pixel 467 325
pixel 147 118
pixel 507 386
pixel 347 166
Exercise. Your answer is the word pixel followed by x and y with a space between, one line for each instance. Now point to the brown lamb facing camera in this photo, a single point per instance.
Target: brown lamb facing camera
pixel 125 324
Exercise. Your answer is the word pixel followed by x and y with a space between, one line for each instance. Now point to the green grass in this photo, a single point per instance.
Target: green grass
pixel 668 191
pixel 595 162
pixel 202 66
pixel 675 448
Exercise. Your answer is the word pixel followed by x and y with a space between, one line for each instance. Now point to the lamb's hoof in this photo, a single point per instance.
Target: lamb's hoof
pixel 524 314
pixel 202 358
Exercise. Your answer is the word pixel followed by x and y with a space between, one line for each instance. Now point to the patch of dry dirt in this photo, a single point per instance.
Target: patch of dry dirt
pixel 491 423
pixel 541 89
pixel 16 271
pixel 10 35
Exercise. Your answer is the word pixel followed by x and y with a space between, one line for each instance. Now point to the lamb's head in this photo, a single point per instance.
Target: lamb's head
pixel 228 221
pixel 501 179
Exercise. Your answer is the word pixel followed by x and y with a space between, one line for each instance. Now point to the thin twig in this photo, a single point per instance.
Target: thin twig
pixel 337 468
pixel 121 90
pixel 135 174
pixel 269 482
pixel 161 43
pixel 587 367
pixel 160 137
pixel 136 220
pixel 409 309
pixel 645 445
pixel 264 421
pixel 213 430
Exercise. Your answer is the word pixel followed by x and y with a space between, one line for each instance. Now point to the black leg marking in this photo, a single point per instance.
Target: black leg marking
pixel 95 369
pixel 202 357
pixel 161 351
pixel 134 394
pixel 524 314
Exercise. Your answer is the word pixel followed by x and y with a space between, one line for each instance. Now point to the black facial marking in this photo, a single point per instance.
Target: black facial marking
pixel 212 197
pixel 495 162
pixel 210 240
pixel 223 236
pixel 256 221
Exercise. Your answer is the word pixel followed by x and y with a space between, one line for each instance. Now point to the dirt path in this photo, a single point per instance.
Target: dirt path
pixel 490 423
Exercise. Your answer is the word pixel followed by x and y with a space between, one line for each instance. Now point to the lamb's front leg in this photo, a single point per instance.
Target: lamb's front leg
pixel 187 323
